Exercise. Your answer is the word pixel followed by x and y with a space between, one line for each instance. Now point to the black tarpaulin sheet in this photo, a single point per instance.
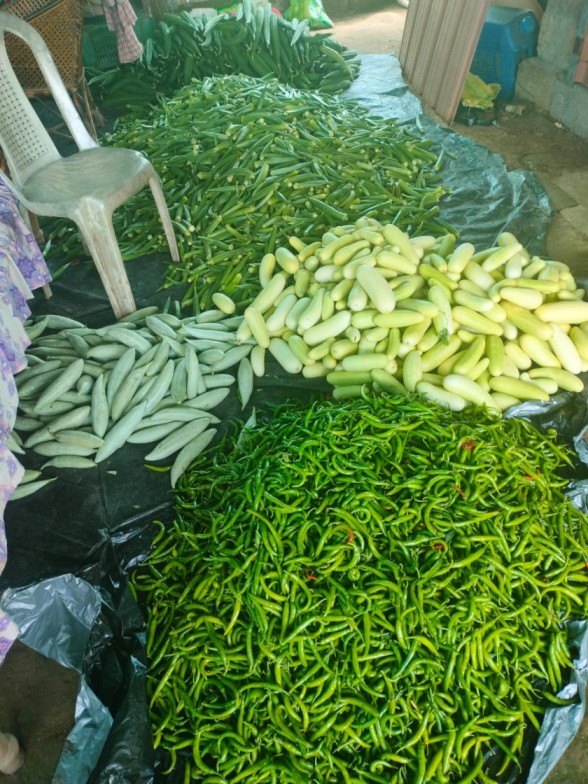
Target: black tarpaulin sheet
pixel 96 524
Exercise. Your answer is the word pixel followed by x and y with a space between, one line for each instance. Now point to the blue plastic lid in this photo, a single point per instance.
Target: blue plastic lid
pixel 528 23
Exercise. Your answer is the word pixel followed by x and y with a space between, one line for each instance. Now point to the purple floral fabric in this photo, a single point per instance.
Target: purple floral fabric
pixel 22 269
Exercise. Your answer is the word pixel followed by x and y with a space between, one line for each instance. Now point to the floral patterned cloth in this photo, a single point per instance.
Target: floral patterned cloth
pixel 22 269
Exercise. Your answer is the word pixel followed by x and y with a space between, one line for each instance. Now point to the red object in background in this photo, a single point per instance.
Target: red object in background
pixel 581 74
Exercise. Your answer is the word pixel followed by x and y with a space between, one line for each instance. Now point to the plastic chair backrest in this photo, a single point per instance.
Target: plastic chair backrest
pixel 26 144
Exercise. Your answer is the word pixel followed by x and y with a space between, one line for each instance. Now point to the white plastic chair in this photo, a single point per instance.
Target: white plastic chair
pixel 86 186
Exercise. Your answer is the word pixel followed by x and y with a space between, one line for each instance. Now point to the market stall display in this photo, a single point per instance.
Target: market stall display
pixel 371 306
pixel 368 591
pixel 525 572
pixel 245 163
pixel 254 41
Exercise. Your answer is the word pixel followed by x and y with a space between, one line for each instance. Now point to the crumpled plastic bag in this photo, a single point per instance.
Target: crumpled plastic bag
pixel 477 94
pixel 312 11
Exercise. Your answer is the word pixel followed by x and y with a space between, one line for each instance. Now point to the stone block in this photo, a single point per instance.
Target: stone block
pixel 558 32
pixel 569 104
pixel 536 83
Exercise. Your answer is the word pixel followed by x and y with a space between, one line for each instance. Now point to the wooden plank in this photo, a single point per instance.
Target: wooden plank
pixel 466 41
pixel 428 44
pixel 416 22
pixel 441 41
pixel 445 51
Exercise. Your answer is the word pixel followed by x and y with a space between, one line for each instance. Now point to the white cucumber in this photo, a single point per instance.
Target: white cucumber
pixel 178 439
pixel 231 358
pixel 189 453
pixel 119 373
pixel 63 383
pixel 161 386
pixel 120 432
pixel 245 381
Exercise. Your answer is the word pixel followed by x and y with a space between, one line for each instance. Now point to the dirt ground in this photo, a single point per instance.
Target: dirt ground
pixel 37 705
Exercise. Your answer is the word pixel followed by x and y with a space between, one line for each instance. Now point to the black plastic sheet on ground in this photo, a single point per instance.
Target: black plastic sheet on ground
pixel 97 524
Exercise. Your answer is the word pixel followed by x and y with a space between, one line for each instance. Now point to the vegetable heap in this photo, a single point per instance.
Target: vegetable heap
pixel 365 591
pixel 246 162
pixel 254 42
pixel 368 305
pixel 149 378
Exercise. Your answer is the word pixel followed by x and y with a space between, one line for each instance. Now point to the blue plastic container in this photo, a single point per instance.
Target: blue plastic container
pixel 508 36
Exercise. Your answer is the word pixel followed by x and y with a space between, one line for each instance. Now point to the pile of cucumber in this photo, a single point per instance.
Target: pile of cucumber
pixel 150 378
pixel 368 306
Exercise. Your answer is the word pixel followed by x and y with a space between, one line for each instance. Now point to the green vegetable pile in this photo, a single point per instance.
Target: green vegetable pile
pixel 245 163
pixel 368 591
pixel 255 42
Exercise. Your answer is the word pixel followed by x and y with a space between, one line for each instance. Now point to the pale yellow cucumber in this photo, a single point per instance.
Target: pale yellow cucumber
pixel 346 378
pixel 330 328
pixel 524 297
pixel 397 238
pixel 364 362
pixel 471 356
pixel 539 351
pixel 412 370
pixel 267 296
pixel 563 312
pixel 388 382
pixel 527 322
pixel 287 260
pixel 475 321
pixel 441 351
pixel 495 353
pixel 267 266
pixel 284 355
pixel 565 350
pixel 377 288
pixel 396 262
pixel 565 380
pixel 469 390
pixel 441 396
pixel 398 318
pixel 517 387
pixel 517 355
pixel 458 259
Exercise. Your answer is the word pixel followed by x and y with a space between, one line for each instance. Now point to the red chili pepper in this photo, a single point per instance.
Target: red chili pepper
pixel 310 576
pixel 532 478
pixel 351 536
pixel 438 546
pixel 468 443
pixel 459 490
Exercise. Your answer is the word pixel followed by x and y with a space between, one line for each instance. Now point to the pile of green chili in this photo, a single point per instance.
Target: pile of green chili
pixel 368 591
pixel 246 163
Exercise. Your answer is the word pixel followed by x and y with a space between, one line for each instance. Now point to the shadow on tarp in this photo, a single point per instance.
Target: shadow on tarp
pixel 96 523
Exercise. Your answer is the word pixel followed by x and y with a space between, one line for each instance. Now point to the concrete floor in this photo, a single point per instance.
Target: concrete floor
pixel 530 140
pixel 559 160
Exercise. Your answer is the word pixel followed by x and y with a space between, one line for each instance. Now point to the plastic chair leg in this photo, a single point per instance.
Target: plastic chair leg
pixel 165 217
pixel 103 246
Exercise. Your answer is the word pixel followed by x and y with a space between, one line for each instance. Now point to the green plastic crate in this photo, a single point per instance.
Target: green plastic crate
pixel 99 48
